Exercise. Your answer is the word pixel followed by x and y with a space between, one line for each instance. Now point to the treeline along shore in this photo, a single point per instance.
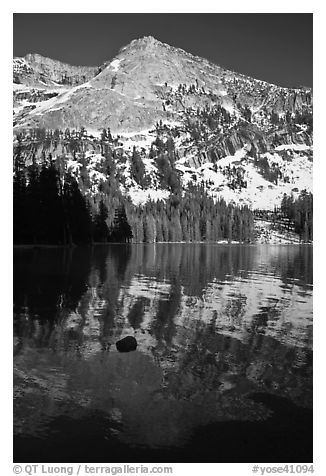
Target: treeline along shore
pixel 50 207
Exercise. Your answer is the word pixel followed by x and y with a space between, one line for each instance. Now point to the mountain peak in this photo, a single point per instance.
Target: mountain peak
pixel 145 42
pixel 147 81
pixel 147 39
pixel 37 57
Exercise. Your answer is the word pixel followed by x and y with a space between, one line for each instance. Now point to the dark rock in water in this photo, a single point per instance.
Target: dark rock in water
pixel 127 344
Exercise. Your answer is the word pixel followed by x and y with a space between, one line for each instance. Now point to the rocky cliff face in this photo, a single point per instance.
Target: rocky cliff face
pixel 37 70
pixel 221 128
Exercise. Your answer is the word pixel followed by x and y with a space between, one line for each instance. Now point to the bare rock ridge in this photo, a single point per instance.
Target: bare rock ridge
pixel 137 88
pixel 37 70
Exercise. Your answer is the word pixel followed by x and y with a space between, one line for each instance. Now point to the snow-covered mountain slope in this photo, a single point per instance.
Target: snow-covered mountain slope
pixel 258 182
pixel 37 70
pixel 242 139
pixel 141 85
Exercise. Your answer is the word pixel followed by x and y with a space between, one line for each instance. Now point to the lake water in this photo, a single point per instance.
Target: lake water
pixel 223 367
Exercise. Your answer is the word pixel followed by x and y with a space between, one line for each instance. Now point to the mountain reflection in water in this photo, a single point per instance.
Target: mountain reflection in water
pixel 224 353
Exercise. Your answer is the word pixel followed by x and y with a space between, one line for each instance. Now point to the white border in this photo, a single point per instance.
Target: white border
pixel 168 6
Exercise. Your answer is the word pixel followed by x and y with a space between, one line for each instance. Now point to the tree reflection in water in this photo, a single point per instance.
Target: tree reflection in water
pixel 215 325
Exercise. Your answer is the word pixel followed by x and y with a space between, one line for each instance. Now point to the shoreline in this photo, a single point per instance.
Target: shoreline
pixel 221 242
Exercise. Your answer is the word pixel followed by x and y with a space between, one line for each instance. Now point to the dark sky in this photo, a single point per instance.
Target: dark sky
pixel 273 47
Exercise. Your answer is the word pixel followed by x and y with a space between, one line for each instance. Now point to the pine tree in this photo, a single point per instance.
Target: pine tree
pixel 100 228
pixel 137 168
pixel 51 212
pixel 19 200
pixel 149 229
pixel 120 230
pixel 77 218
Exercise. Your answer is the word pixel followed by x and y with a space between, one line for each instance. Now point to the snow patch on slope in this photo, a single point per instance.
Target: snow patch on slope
pixel 259 192
pixel 51 104
pixel 115 64
pixel 140 196
pixel 298 147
